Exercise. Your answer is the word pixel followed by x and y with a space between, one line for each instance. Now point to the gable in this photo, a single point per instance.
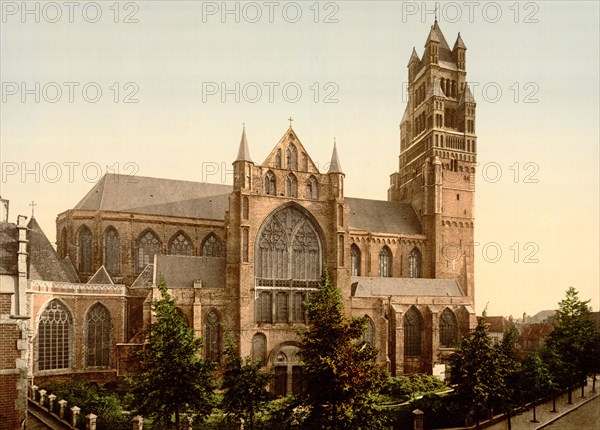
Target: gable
pixel 277 159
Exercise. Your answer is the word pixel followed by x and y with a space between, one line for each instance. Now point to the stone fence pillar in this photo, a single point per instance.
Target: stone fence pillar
pixel 42 397
pixel 138 423
pixel 188 421
pixel 90 422
pixel 417 419
pixel 34 389
pixel 51 400
pixel 62 406
pixel 74 415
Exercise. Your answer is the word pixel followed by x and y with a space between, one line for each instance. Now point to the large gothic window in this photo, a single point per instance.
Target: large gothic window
pixel 148 245
pixel 54 337
pixel 385 262
pixel 291 157
pixel 85 250
pixel 414 263
pixel 448 328
pixel 112 251
pixel 212 335
pixel 291 186
pixel 181 244
pixel 312 189
pixel 98 325
pixel 413 333
pixel 288 257
pixel 270 188
pixel 212 246
pixel 354 260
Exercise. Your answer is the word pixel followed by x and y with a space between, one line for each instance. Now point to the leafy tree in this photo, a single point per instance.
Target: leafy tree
pixel 510 372
pixel 340 373
pixel 476 371
pixel 572 341
pixel 244 384
pixel 171 377
pixel 536 380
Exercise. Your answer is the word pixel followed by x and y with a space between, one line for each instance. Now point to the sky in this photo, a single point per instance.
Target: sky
pixel 162 89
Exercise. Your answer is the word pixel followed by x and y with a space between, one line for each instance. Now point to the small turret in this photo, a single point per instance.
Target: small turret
pixel 432 45
pixel 242 166
pixel 460 54
pixel 335 174
pixel 413 65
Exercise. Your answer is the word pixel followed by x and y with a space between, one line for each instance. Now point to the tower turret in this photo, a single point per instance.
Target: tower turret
pixel 242 166
pixel 460 53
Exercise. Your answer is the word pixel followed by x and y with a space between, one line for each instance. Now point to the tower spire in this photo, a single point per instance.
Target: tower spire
pixel 334 165
pixel 243 152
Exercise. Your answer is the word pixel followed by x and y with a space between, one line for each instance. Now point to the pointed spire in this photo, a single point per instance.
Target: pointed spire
pixel 433 36
pixel 413 57
pixel 466 96
pixel 459 43
pixel 243 152
pixel 334 165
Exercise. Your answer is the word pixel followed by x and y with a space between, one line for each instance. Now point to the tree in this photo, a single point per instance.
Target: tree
pixel 510 371
pixel 244 384
pixel 476 371
pixel 572 341
pixel 340 373
pixel 536 379
pixel 171 377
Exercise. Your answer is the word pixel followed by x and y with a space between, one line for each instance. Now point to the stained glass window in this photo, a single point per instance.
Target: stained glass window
pixel 147 246
pixel 54 337
pixel 85 250
pixel 414 263
pixel 98 325
pixel 355 260
pixel 413 333
pixel 385 262
pixel 212 246
pixel 270 188
pixel 181 244
pixel 448 328
pixel 112 251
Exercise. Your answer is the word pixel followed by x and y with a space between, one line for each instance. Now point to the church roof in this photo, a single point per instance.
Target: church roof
pixel 445 56
pixel 383 217
pixel 363 286
pixel 413 57
pixel 181 271
pixel 459 42
pixel 8 248
pixel 243 151
pixel 44 263
pixel 101 277
pixel 158 196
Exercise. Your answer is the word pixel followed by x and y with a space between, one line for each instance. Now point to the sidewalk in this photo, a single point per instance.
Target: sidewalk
pixel 545 417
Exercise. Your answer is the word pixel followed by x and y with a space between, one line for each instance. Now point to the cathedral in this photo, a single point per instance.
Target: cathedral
pixel 240 260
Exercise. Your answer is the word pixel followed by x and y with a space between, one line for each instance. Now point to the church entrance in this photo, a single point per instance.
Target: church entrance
pixel 288 371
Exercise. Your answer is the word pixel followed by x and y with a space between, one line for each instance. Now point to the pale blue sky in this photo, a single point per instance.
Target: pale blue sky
pixel 173 51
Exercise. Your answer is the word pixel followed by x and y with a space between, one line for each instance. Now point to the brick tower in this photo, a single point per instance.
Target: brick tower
pixel 438 157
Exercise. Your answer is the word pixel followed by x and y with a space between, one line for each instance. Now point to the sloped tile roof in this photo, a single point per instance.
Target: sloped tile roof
pixel 158 196
pixel 181 271
pixel 44 263
pixel 381 216
pixel 363 286
pixel 8 249
pixel 101 277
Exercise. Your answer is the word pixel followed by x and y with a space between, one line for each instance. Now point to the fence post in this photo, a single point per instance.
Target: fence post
pixel 51 399
pixel 138 423
pixel 74 415
pixel 90 422
pixel 42 397
pixel 34 389
pixel 417 419
pixel 62 405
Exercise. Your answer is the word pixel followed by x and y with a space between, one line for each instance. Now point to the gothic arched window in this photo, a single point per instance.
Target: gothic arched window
pixel 354 260
pixel 448 328
pixel 369 336
pixel 414 263
pixel 385 262
pixel 212 246
pixel 259 347
pixel 413 333
pixel 181 244
pixel 147 246
pixel 64 244
pixel 288 256
pixel 270 188
pixel 97 326
pixel 304 162
pixel 212 335
pixel 291 157
pixel 278 159
pixel 291 186
pixel 54 337
pixel 312 188
pixel 85 250
pixel 112 251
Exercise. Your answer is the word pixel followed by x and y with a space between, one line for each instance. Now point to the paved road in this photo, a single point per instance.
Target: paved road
pixel 583 414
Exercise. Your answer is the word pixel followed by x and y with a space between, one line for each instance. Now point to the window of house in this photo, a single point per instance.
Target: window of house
pixel 98 326
pixel 413 333
pixel 385 262
pixel 54 337
pixel 181 244
pixel 212 246
pixel 148 246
